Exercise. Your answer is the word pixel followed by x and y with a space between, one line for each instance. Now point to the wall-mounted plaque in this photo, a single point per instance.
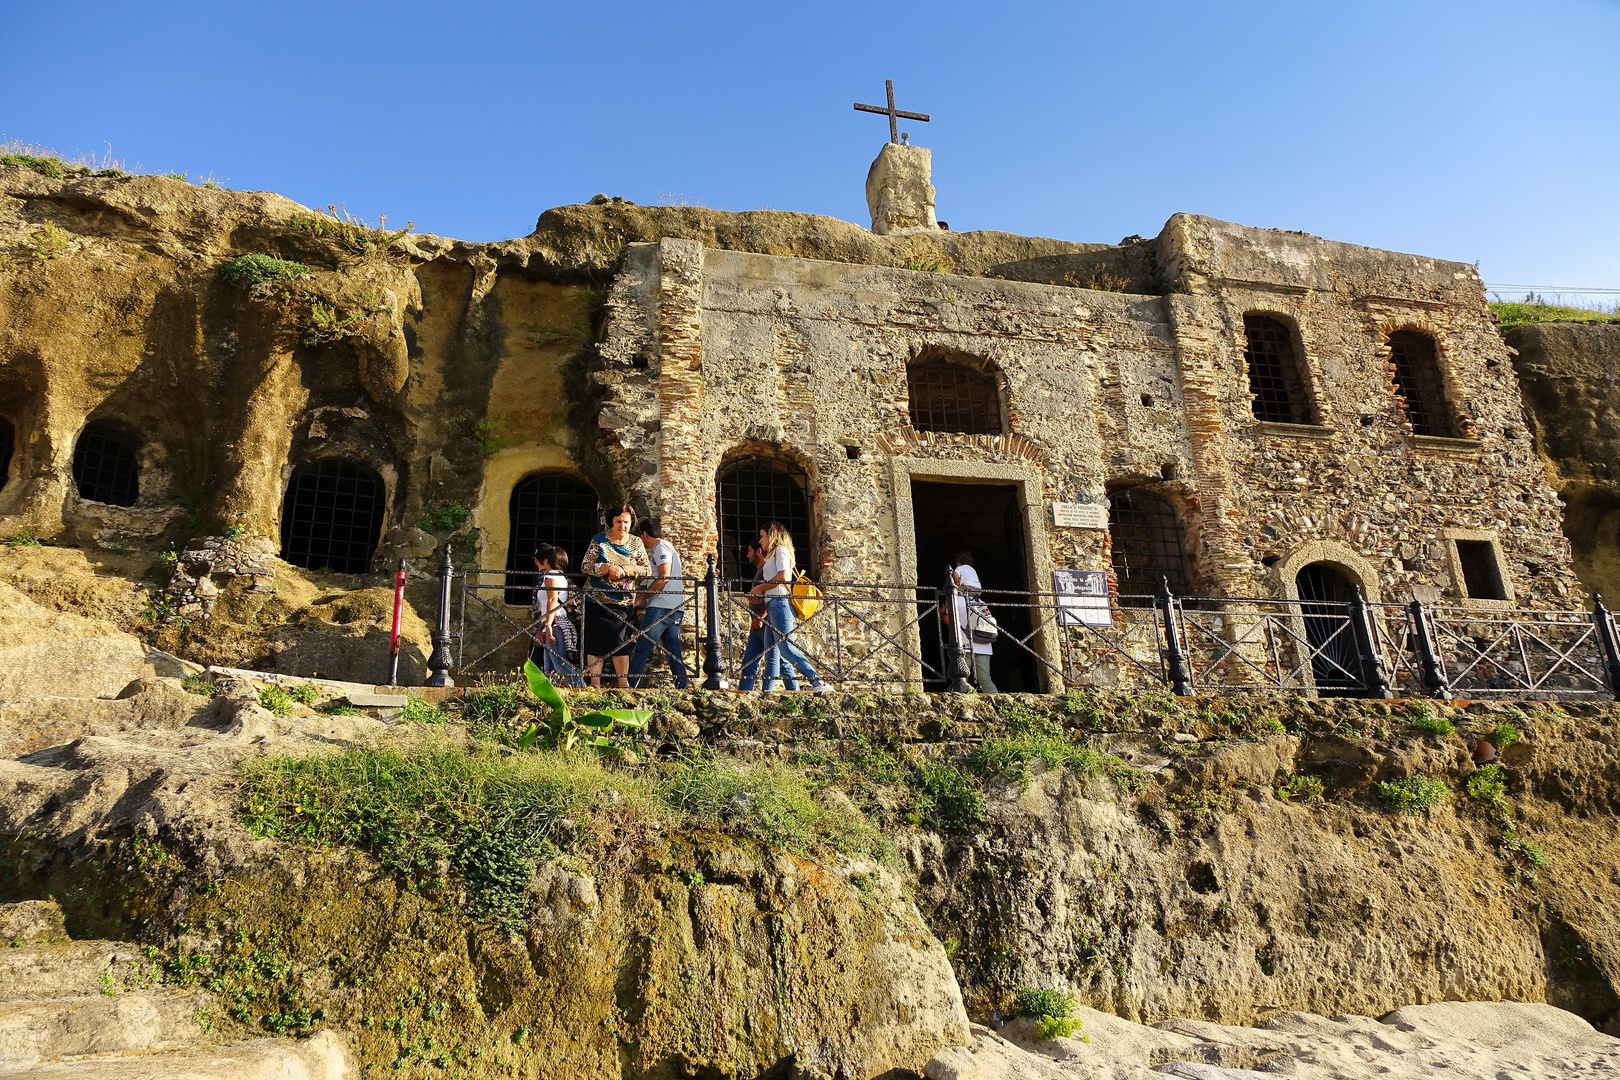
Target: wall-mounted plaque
pixel 1079 516
pixel 1082 597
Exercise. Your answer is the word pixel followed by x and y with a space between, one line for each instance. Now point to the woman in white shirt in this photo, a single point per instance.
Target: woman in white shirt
pixel 555 633
pixel 779 623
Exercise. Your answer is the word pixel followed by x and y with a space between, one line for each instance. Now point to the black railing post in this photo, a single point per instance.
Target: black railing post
pixel 1174 657
pixel 712 679
pixel 1604 619
pixel 956 670
pixel 439 663
pixel 1428 660
pixel 1373 679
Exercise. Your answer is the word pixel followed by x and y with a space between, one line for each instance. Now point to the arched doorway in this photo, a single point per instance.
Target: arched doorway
pixel 106 466
pixel 753 491
pixel 332 515
pixel 1324 592
pixel 551 508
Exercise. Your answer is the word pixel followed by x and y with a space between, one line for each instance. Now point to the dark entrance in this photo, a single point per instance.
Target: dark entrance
pixel 547 509
pixel 1323 592
pixel 985 519
pixel 332 516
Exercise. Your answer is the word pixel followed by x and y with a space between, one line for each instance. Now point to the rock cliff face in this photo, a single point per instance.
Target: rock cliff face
pixel 1570 376
pixel 1179 875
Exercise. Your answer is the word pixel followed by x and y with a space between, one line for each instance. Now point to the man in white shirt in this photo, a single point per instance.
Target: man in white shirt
pixel 967 585
pixel 663 597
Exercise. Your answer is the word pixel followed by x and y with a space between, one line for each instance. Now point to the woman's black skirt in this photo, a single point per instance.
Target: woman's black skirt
pixel 608 629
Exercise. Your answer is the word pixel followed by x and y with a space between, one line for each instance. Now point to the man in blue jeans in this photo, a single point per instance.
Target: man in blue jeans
pixel 661 623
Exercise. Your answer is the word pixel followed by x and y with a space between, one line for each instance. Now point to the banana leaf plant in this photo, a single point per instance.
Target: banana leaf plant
pixel 565 731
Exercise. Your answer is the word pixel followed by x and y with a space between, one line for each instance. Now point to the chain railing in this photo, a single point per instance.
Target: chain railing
pixel 873 635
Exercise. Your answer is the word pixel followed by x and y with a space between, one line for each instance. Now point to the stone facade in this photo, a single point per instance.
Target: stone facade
pixel 639 350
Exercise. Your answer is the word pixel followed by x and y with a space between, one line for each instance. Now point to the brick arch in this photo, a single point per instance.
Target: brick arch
pixel 755 482
pixel 948 390
pixel 1453 422
pixel 1295 380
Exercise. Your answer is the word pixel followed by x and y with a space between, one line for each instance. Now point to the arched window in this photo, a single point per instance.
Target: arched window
pixel 1324 595
pixel 8 446
pixel 752 492
pixel 1275 381
pixel 1146 543
pixel 547 509
pixel 1419 384
pixel 106 466
pixel 947 396
pixel 332 516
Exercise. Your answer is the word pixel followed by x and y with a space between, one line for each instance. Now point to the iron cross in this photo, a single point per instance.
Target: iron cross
pixel 894 128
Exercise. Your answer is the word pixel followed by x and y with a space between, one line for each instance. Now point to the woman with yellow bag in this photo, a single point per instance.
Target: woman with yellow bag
pixel 776 589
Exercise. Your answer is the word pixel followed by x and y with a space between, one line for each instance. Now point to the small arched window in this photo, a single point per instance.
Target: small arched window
pixel 1276 384
pixel 1146 543
pixel 551 508
pixel 949 396
pixel 332 515
pixel 8 446
pixel 106 466
pixel 1415 368
pixel 751 492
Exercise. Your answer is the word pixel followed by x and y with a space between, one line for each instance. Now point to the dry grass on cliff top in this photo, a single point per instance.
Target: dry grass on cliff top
pixel 1533 310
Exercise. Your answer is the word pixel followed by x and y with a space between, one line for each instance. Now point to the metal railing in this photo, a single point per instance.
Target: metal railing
pixel 865 634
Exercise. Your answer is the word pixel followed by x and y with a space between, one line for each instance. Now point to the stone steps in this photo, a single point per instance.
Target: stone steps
pixel 67 1010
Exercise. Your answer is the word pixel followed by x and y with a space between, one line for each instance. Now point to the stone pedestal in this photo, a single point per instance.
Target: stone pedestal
pixel 898 192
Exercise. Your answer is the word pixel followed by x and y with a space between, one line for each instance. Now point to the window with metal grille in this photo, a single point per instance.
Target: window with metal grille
pixel 8 445
pixel 331 516
pixel 752 492
pixel 952 397
pixel 548 509
pixel 1419 384
pixel 1146 544
pixel 1481 574
pixel 1275 383
pixel 106 466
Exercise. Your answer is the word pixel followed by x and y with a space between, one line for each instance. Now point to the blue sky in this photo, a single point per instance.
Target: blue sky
pixel 1479 130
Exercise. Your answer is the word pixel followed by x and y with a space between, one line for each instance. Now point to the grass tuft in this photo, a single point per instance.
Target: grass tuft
pixel 1053 1011
pixel 251 270
pixel 1413 794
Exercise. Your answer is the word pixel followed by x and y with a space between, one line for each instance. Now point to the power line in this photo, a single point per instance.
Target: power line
pixel 1548 288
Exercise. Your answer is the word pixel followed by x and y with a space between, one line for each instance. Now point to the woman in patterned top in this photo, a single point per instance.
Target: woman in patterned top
pixel 611 566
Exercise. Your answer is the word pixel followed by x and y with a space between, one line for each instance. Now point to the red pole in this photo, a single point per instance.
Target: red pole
pixel 393 639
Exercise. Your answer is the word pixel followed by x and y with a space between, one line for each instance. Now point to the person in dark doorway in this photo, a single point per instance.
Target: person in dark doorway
pixel 611 566
pixel 554 639
pixel 663 596
pixel 974 619
pixel 755 649
pixel 779 621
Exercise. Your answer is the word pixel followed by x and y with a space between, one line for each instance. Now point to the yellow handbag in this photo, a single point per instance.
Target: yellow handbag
pixel 805 598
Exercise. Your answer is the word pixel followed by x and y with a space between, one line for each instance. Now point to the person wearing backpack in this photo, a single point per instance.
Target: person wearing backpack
pixel 776 588
pixel 973 617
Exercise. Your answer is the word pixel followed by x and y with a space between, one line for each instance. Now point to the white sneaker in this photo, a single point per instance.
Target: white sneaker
pixel 823 688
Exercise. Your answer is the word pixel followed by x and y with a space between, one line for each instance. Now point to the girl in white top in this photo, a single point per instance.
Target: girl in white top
pixel 555 633
pixel 777 571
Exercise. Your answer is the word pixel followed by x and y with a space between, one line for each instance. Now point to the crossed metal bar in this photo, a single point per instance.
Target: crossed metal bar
pixel 871 633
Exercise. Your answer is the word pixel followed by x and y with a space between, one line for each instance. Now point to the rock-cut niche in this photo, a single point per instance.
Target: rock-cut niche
pixel 332 515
